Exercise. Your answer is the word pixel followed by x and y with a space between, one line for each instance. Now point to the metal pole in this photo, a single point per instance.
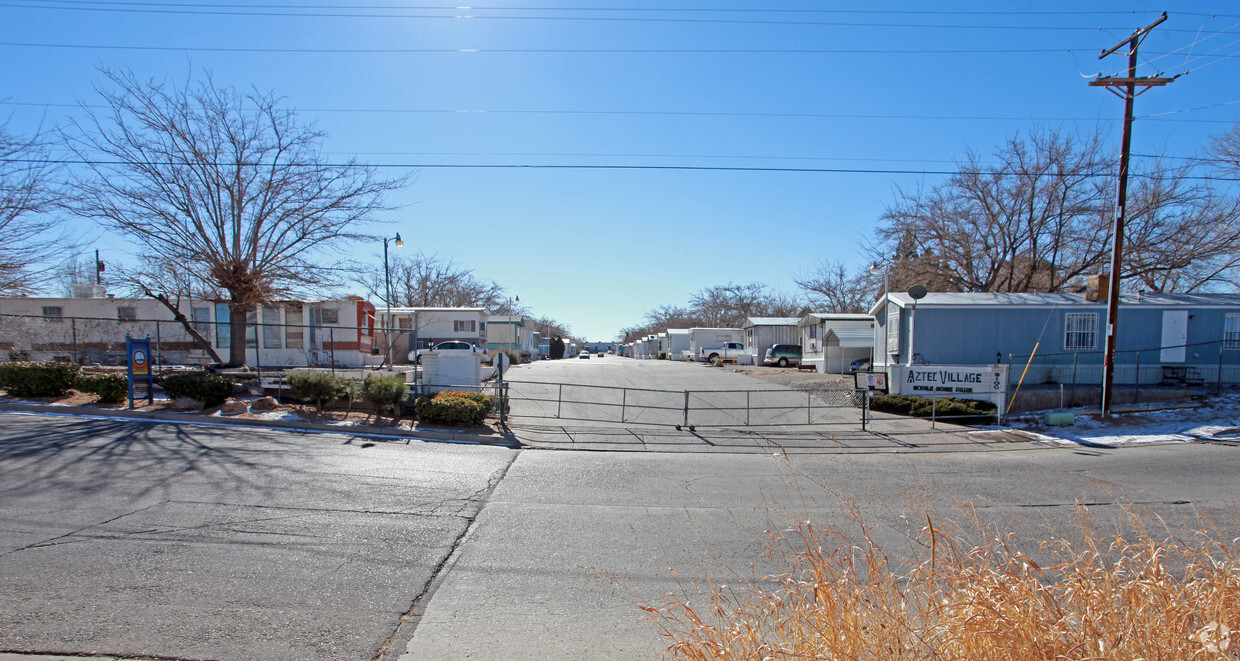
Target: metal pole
pixel 331 337
pixel 933 410
pixel 1218 382
pixel 559 400
pixel 387 284
pixel 686 408
pixel 1136 389
pixel 747 393
pixel 159 348
pixel 624 400
pixel 865 406
pixel 73 327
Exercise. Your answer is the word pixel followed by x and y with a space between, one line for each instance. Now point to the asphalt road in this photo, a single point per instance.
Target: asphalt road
pixel 190 542
pixel 201 542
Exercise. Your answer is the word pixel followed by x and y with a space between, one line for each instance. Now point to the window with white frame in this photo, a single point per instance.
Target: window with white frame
pixel 813 332
pixel 294 318
pixel 1080 331
pixel 331 316
pixel 53 312
pixel 271 327
pixel 464 325
pixel 1231 331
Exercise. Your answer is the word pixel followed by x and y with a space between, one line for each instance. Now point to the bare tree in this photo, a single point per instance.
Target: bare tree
pixel 1226 150
pixel 31 246
pixel 1038 220
pixel 833 288
pixel 433 281
pixel 229 185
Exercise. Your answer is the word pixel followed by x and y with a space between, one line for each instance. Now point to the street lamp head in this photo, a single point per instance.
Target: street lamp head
pixel 400 243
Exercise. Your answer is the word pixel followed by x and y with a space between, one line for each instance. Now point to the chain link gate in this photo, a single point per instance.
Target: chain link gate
pixel 682 409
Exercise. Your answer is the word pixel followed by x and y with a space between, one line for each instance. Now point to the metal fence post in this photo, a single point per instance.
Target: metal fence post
pixel 1074 356
pixel 933 410
pixel 686 408
pixel 865 406
pixel 747 394
pixel 331 337
pixel 1218 380
pixel 73 327
pixel 1136 389
pixel 559 401
pixel 624 402
pixel 159 348
pixel 809 408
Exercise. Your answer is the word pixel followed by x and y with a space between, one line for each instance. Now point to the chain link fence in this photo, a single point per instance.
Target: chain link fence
pixel 681 408
pixel 1203 364
pixel 100 341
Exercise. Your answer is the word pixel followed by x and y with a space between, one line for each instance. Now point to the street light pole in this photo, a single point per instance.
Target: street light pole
pixel 387 282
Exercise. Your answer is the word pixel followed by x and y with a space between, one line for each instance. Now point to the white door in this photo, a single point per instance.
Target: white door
pixel 1174 336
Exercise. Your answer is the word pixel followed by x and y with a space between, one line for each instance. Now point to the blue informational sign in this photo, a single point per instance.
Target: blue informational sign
pixel 139 353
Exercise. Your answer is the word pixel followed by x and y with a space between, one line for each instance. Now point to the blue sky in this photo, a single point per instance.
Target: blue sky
pixel 764 87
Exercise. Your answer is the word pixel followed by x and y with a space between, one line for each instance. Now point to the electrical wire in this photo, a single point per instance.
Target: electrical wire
pixel 604 51
pixel 682 113
pixel 616 19
pixel 603 166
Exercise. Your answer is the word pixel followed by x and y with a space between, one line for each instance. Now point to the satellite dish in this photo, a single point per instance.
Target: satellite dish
pixel 917 292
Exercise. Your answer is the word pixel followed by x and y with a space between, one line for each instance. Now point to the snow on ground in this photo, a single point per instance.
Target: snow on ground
pixel 1219 420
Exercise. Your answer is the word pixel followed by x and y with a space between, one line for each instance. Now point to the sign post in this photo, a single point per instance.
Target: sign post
pixel 139 353
pixel 865 383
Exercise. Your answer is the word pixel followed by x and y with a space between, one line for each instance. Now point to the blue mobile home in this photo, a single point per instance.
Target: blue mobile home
pixel 1161 338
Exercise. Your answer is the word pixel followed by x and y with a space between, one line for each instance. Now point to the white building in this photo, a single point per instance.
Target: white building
pixel 280 334
pixel 831 342
pixel 422 328
pixel 761 333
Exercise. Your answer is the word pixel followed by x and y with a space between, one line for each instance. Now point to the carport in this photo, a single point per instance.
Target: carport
pixel 842 346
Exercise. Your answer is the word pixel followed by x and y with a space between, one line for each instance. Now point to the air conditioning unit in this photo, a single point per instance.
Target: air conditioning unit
pixel 88 290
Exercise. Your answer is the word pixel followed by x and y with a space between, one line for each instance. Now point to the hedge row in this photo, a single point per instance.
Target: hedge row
pixel 922 407
pixel 56 378
pixel 454 407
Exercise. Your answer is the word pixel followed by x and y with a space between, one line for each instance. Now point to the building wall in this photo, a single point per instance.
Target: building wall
pixel 760 338
pixel 988 334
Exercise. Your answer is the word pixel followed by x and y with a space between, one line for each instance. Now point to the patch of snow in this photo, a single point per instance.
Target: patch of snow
pixel 1163 426
pixel 280 415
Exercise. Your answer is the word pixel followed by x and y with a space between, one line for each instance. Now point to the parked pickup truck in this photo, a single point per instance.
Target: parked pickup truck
pixel 728 350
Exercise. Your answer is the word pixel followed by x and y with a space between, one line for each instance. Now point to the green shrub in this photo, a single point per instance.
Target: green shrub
pixel 38 379
pixel 317 387
pixel 384 392
pixel 210 389
pixel 454 407
pixel 111 388
pixel 922 407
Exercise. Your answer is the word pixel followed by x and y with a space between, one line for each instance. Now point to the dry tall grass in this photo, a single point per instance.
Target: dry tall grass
pixel 1126 596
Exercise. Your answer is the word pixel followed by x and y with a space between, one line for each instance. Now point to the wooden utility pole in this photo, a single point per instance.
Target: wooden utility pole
pixel 1129 84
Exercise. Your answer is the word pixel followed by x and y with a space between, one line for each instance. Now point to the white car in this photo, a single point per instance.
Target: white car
pixel 451 347
pixel 584 355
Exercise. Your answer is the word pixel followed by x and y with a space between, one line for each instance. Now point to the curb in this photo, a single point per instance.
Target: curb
pixel 461 438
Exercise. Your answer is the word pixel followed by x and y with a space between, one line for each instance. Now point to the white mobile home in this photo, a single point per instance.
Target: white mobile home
pixel 831 342
pixel 761 333
pixel 421 328
pixel 677 343
pixel 279 334
pixel 711 338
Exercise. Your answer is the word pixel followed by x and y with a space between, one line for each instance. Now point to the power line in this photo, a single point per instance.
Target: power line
pixel 685 113
pixel 695 10
pixel 603 166
pixel 604 51
pixel 609 19
pixel 656 113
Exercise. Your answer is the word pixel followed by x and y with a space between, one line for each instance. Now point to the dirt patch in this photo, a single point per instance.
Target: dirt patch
pixel 792 377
